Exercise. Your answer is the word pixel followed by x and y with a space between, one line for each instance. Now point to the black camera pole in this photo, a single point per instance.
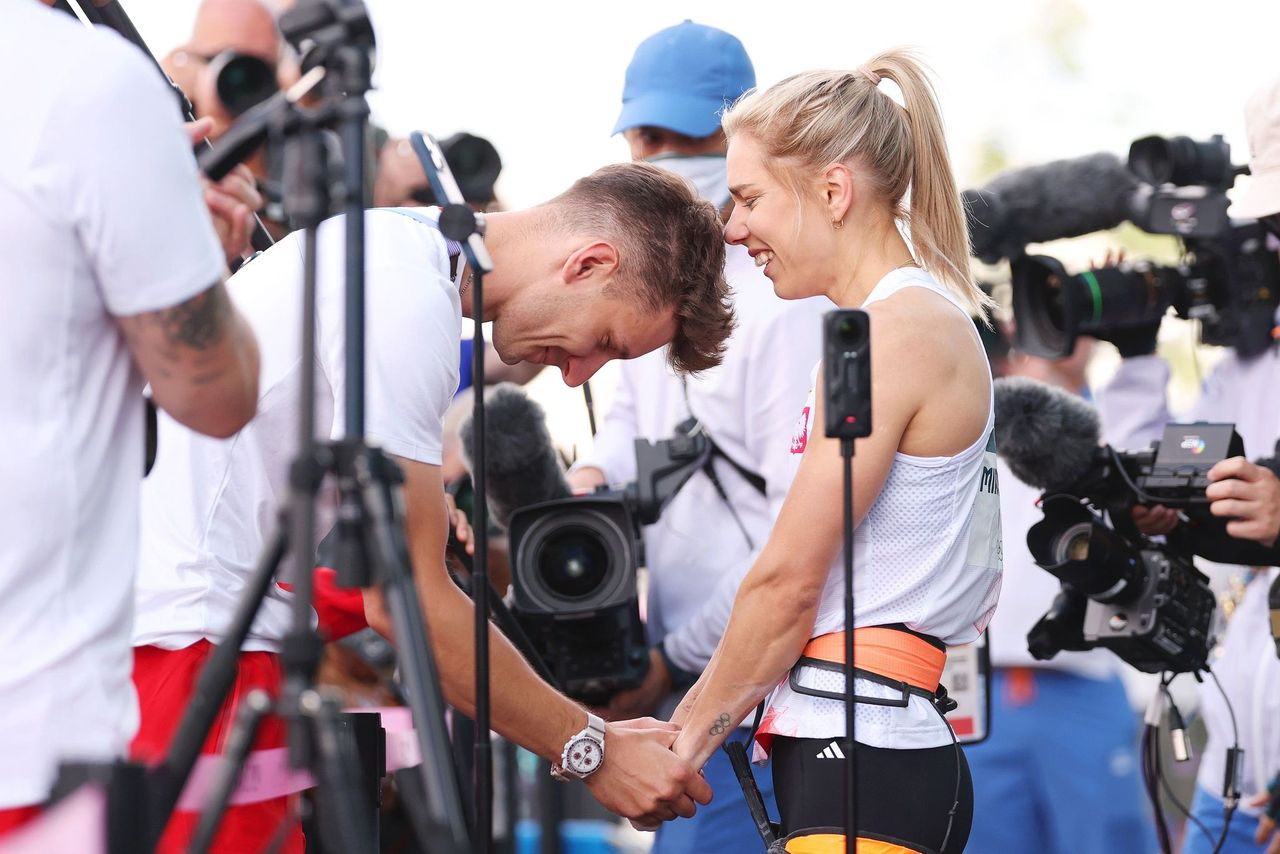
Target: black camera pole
pixel 110 14
pixel 458 222
pixel 850 693
pixel 846 359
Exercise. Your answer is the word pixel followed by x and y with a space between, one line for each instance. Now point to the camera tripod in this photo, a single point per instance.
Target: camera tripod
pixel 370 534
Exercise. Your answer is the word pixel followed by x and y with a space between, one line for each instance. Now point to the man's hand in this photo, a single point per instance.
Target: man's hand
pixel 232 202
pixel 641 778
pixel 1266 834
pixel 1154 521
pixel 645 697
pixel 1249 495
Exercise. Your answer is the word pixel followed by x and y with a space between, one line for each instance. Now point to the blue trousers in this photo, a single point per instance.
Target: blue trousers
pixel 1208 809
pixel 1059 773
pixel 724 826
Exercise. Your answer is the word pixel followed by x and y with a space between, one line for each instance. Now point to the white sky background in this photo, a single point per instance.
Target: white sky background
pixel 1041 79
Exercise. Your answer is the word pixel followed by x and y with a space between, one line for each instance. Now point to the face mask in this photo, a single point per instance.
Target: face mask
pixel 706 172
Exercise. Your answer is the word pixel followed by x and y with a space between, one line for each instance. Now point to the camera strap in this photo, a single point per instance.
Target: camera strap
pixel 692 426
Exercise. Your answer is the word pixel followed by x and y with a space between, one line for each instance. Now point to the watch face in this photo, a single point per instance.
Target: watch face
pixel 584 755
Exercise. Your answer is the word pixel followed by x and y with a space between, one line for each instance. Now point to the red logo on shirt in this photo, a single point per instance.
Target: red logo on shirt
pixel 800 438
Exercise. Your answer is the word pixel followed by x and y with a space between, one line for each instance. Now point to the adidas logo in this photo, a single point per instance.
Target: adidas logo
pixel 831 751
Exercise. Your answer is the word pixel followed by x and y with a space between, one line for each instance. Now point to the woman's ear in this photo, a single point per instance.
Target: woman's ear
pixel 838 190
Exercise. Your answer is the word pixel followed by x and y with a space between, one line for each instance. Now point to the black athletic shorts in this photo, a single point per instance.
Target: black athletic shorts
pixel 904 796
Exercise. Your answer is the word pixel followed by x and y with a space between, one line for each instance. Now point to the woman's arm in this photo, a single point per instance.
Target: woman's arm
pixel 776 606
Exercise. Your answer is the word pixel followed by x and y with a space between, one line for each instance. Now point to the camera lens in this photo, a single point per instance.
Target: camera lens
pixel 1073 544
pixel 573 562
pixel 242 81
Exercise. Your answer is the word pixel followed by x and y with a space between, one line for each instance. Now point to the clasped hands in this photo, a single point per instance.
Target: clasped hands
pixel 646 776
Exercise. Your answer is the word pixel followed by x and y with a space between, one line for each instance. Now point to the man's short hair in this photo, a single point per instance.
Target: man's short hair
pixel 672 250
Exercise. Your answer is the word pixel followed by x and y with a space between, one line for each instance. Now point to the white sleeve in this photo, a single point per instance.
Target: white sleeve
pixel 1133 406
pixel 776 387
pixel 412 332
pixel 613 450
pixel 127 170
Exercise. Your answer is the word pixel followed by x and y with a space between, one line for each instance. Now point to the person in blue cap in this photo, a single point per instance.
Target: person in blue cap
pixel 677 85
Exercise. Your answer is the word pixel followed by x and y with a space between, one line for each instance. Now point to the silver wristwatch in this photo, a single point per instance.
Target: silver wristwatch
pixel 583 753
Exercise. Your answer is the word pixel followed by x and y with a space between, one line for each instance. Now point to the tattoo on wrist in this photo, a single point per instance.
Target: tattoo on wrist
pixel 721 725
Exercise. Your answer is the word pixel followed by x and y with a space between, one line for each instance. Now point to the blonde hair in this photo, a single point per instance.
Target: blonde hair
pixel 811 120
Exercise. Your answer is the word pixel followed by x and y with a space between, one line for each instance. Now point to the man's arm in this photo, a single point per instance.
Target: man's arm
pixel 201 360
pixel 639 774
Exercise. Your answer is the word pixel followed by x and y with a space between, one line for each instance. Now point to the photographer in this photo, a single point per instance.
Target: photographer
pixel 1240 391
pixel 113 279
pixel 697 552
pixel 625 261
pixel 1059 771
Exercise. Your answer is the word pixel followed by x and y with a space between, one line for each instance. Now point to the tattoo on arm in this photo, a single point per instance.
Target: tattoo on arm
pixel 198 323
pixel 721 725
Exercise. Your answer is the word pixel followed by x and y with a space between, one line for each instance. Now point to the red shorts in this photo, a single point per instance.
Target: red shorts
pixel 165 680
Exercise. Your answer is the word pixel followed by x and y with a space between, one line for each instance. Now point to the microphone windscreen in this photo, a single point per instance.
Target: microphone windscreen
pixel 1045 435
pixel 521 463
pixel 1064 198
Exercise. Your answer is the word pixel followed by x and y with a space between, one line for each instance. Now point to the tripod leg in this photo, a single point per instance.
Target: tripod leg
pixel 389 556
pixel 212 688
pixel 336 760
pixel 257 705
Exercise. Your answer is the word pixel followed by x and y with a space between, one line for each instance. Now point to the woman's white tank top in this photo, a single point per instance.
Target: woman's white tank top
pixel 926 554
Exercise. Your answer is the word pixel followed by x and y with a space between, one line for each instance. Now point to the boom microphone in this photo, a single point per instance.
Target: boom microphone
pixel 1064 198
pixel 1046 436
pixel 522 466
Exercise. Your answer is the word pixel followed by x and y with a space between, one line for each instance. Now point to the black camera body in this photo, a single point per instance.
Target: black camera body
pixel 1144 600
pixel 1227 280
pixel 574 591
pixel 574 569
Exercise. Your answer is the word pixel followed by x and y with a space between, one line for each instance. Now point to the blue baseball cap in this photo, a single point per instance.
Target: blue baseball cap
pixel 681 79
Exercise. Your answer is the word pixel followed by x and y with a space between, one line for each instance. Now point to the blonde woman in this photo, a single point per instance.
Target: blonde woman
pixel 828 172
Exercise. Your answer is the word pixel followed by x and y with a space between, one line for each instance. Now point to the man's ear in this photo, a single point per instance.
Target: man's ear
pixel 594 262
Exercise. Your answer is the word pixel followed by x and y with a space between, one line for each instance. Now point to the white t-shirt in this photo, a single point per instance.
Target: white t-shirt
pixel 696 553
pixel 100 215
pixel 210 505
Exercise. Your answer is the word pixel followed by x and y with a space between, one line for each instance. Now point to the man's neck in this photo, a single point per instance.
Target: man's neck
pixel 506 234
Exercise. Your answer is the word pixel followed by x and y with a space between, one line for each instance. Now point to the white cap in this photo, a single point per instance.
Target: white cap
pixel 1261 196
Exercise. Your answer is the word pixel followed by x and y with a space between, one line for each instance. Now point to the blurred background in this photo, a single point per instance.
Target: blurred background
pixel 1020 83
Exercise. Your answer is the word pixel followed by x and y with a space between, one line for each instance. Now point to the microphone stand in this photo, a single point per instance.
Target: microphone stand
pixel 850 693
pixel 458 222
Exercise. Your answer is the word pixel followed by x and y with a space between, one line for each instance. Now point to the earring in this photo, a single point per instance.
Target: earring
pixel 837 223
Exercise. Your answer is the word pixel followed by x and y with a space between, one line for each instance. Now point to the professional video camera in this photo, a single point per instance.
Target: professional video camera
pixel 573 570
pixel 1227 279
pixel 1121 590
pixel 574 558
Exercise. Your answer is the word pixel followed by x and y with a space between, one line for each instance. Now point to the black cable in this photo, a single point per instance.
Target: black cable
pixel 1229 803
pixel 1164 781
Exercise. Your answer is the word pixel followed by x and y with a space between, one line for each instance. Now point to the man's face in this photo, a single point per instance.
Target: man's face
pixel 578 328
pixel 648 141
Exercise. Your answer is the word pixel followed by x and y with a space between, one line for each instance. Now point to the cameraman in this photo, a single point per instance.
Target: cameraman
pixel 676 85
pixel 1239 391
pixel 113 277
pixel 1059 772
